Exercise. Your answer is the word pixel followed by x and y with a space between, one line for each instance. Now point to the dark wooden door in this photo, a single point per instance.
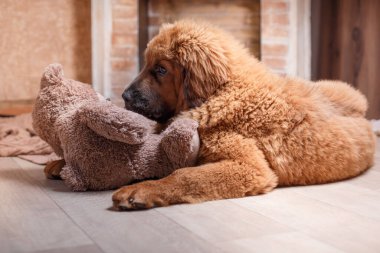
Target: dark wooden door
pixel 346 45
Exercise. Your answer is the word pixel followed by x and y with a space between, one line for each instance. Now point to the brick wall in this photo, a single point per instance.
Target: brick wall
pixel 124 46
pixel 239 17
pixel 275 34
pixel 266 27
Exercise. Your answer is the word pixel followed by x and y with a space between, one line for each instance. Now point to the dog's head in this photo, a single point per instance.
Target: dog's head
pixel 184 65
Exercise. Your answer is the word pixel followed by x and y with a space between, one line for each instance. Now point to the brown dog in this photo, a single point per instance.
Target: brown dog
pixel 258 130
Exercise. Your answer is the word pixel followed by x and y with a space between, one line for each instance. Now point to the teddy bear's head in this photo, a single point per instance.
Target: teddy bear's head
pixel 58 98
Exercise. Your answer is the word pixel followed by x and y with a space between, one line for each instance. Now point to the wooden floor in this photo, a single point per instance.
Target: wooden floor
pixel 39 215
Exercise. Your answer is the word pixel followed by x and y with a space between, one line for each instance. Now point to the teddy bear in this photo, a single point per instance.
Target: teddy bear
pixel 105 146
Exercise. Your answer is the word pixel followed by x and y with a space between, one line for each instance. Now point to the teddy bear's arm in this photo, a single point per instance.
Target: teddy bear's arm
pixel 180 141
pixel 115 123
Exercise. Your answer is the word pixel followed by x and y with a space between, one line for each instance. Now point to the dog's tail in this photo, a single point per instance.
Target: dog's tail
pixel 347 100
pixel 52 75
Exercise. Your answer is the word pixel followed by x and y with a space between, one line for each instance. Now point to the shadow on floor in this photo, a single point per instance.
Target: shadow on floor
pixel 32 178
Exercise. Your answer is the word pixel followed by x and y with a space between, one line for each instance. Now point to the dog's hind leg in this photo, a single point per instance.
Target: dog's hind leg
pixel 345 99
pixel 243 172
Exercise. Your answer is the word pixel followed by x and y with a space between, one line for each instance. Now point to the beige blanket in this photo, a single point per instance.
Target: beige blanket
pixel 17 137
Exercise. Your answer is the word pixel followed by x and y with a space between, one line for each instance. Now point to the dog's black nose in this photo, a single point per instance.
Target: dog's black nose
pixel 127 96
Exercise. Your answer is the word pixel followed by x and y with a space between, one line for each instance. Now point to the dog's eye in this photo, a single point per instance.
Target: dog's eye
pixel 160 70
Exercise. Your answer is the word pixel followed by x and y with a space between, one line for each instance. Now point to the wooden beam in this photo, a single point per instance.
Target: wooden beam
pixel 143 29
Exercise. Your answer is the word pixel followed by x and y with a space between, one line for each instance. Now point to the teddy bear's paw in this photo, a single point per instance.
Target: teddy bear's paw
pixel 143 195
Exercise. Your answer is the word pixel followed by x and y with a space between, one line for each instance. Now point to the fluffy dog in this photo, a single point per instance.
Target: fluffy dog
pixel 258 130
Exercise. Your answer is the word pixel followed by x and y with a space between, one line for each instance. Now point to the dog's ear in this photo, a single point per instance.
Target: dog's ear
pixel 166 26
pixel 205 70
pixel 192 94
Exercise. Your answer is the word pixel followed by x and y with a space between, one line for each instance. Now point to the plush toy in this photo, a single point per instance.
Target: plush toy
pixel 105 146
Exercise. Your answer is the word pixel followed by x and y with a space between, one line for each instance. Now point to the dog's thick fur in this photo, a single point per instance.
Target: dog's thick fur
pixel 258 130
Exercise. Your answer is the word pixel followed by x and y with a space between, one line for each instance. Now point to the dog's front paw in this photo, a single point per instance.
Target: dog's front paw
pixel 139 196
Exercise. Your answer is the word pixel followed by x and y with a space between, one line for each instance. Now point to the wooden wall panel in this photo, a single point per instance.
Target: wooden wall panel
pixel 347 45
pixel 36 33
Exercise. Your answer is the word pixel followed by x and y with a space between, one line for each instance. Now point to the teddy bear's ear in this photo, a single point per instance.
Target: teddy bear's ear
pixel 52 75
